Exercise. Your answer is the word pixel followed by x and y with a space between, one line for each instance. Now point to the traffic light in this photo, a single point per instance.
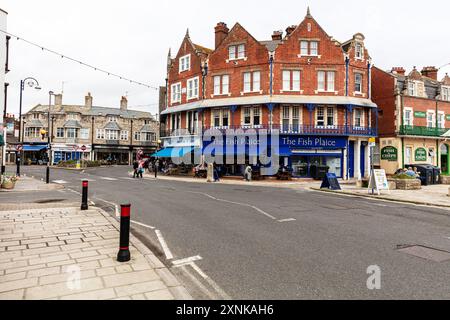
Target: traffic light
pixel 43 133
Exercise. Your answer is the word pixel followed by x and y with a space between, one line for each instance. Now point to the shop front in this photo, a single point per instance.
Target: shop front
pixel 118 155
pixel 304 152
pixel 68 152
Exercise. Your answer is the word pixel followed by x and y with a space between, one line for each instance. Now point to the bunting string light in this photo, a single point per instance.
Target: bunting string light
pixel 80 62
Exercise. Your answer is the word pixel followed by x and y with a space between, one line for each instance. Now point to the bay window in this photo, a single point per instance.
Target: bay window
pixel 112 134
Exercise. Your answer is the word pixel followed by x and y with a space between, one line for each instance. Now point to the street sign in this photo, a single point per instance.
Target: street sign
pixel 19 147
pixel 83 148
pixel 372 142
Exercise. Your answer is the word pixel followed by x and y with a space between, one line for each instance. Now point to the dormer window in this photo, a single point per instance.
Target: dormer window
pixel 112 118
pixel 185 63
pixel 236 52
pixel 445 93
pixel 72 116
pixel 412 91
pixel 359 51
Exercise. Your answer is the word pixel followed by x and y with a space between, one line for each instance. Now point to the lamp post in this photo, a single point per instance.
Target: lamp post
pixel 32 83
pixel 49 147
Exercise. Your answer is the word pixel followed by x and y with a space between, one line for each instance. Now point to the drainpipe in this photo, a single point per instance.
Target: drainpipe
pixel 347 63
pixel 437 130
pixel 92 139
pixel 369 79
pixel 402 127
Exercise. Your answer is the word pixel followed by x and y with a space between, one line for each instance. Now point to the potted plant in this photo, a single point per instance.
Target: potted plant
pixel 8 182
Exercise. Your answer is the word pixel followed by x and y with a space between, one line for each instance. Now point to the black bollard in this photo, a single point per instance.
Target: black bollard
pixel 84 196
pixel 124 249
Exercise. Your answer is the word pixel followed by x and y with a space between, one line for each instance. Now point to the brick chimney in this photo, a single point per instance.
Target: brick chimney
pixel 430 72
pixel 88 101
pixel 289 30
pixel 398 70
pixel 277 35
pixel 123 104
pixel 58 101
pixel 221 31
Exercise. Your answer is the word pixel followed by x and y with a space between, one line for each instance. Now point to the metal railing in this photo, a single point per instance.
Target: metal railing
pixel 299 129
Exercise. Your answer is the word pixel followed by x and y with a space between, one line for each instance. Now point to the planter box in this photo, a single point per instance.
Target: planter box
pixel 408 184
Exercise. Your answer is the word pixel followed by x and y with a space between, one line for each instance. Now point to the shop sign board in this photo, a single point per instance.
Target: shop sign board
pixel 389 153
pixel 420 114
pixel 378 181
pixel 421 154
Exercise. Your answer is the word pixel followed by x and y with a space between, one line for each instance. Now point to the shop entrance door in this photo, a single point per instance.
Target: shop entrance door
pixel 363 160
pixel 445 159
pixel 351 159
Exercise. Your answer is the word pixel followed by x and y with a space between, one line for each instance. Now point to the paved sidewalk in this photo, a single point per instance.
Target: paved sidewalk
pixel 30 184
pixel 435 195
pixel 42 252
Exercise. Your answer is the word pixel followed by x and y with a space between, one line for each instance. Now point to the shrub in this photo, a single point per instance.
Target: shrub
pixel 404 176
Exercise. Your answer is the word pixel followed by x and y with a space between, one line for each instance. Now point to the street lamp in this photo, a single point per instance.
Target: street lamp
pixel 32 83
pixel 47 176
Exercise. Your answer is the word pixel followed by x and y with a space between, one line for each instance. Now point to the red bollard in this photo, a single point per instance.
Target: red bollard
pixel 84 196
pixel 124 249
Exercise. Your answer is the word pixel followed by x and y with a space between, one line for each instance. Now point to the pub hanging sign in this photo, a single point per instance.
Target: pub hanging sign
pixel 389 153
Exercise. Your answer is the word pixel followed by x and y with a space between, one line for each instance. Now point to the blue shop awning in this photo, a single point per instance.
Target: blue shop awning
pixel 173 152
pixel 34 148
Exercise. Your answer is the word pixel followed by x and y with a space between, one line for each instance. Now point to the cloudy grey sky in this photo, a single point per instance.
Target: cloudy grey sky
pixel 132 38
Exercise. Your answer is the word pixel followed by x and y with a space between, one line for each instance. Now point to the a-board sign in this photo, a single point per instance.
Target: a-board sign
pixel 330 182
pixel 378 181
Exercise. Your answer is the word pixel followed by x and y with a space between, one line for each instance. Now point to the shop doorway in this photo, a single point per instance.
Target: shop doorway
pixel 351 159
pixel 445 165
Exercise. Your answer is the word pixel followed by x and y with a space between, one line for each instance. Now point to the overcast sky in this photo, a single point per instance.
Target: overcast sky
pixel 132 38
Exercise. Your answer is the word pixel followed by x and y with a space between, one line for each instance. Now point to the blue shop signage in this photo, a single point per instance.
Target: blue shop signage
pixel 325 143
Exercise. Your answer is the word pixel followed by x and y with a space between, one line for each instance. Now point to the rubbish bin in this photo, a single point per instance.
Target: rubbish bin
pixel 436 175
pixel 313 171
pixel 426 173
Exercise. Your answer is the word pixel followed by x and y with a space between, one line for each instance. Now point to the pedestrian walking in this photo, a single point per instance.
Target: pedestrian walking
pixel 135 168
pixel 141 170
pixel 216 173
pixel 248 173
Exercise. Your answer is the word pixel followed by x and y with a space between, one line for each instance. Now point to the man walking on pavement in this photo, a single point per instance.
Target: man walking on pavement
pixel 135 169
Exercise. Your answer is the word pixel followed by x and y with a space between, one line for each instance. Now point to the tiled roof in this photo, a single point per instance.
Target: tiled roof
pixel 203 49
pixel 147 128
pixel 113 126
pixel 35 124
pixel 72 124
pixel 95 111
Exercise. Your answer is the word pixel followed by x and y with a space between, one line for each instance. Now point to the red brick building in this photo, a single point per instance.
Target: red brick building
pixel 312 88
pixel 414 117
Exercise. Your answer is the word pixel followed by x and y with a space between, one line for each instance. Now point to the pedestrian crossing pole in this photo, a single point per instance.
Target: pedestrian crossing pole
pixel 125 219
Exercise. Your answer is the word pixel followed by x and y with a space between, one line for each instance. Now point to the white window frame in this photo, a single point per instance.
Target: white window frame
pixel 309 51
pixel 252 114
pixel 286 74
pixel 112 134
pixel 100 134
pixel 321 79
pixel 137 136
pixel 124 135
pixel 72 116
pixel 411 119
pixel 193 88
pixel 72 133
pixel 326 111
pixel 176 92
pixel 185 63
pixel 314 49
pixel 362 118
pixel 359 51
pixel 112 118
pixel 445 93
pixel 291 80
pixel 412 88
pixel 237 52
pixel 433 113
pixel 441 116
pixel 220 114
pixel 361 80
pixel 84 133
pixel 331 85
pixel 256 81
pixel 58 131
pixel 247 82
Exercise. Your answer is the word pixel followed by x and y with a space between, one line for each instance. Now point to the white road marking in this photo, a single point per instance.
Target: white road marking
pixel 211 282
pixel 116 207
pixel 287 220
pixel 108 179
pixel 198 283
pixel 236 203
pixel 143 225
pixel 182 262
pixel 71 190
pixel 60 181
pixel 88 180
pixel 167 252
